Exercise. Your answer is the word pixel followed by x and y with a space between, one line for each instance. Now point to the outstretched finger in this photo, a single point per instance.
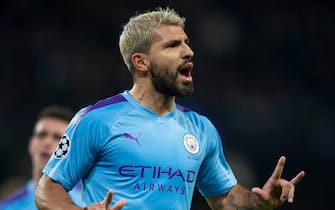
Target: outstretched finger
pixel 279 168
pixel 119 205
pixel 291 195
pixel 108 198
pixel 286 190
pixel 298 178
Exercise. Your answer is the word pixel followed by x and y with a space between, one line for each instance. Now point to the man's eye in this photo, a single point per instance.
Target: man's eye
pixel 173 45
pixel 56 137
pixel 41 134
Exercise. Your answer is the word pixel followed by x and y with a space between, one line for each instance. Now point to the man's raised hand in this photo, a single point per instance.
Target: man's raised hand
pixel 104 205
pixel 277 190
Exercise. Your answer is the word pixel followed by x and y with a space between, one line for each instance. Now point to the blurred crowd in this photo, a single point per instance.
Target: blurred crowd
pixel 264 74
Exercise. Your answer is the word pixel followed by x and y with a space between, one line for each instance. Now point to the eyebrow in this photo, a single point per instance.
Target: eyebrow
pixel 177 41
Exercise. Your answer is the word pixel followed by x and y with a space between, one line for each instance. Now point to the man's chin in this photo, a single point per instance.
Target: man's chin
pixel 185 92
pixel 183 95
pixel 43 162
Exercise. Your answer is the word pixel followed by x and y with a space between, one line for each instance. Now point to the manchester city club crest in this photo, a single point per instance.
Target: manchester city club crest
pixel 191 143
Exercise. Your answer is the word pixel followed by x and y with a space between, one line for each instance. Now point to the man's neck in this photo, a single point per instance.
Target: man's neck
pixel 153 100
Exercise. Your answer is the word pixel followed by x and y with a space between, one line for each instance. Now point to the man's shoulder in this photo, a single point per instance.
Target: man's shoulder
pixel 194 116
pixel 190 112
pixel 183 108
pixel 106 103
pixel 104 107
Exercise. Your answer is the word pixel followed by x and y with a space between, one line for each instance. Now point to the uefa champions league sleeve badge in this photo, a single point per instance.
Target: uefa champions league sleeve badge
pixel 63 147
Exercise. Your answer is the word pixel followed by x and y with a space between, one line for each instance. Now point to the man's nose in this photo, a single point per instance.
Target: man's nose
pixel 48 142
pixel 188 52
pixel 51 141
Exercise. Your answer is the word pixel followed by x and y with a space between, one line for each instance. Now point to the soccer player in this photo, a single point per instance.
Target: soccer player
pixel 149 150
pixel 48 130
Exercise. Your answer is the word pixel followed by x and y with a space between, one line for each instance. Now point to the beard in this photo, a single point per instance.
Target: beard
pixel 166 81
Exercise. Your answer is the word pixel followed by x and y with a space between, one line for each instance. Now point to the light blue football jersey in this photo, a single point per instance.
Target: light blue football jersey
pixel 24 198
pixel 151 161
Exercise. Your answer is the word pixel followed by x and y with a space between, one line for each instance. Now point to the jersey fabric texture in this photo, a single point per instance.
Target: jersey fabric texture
pixel 24 198
pixel 151 161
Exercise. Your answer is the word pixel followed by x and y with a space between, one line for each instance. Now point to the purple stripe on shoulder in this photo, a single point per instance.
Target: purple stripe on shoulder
pixel 111 100
pixel 182 108
pixel 79 186
pixel 21 193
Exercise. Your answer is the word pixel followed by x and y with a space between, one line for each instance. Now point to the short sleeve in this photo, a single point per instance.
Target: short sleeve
pixel 76 152
pixel 215 175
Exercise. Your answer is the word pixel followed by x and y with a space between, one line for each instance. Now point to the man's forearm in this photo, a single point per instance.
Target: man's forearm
pixel 238 198
pixel 52 196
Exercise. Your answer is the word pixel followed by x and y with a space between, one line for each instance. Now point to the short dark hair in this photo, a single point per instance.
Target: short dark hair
pixel 56 111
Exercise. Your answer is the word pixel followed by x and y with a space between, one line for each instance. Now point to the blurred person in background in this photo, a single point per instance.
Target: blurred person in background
pixel 141 150
pixel 49 128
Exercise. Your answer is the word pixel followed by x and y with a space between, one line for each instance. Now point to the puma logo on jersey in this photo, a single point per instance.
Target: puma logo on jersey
pixel 136 139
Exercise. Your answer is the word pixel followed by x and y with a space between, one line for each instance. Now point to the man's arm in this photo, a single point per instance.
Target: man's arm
pixel 238 197
pixel 272 195
pixel 51 195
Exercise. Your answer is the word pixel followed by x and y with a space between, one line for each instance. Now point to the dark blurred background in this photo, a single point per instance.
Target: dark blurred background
pixel 264 74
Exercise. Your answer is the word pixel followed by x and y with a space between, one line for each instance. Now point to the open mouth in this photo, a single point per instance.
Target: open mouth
pixel 186 70
pixel 45 155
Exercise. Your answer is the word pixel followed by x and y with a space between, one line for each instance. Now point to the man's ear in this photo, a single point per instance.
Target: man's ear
pixel 140 61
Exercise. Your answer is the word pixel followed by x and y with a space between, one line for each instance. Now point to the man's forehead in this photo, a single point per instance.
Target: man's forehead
pixel 169 32
pixel 49 122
